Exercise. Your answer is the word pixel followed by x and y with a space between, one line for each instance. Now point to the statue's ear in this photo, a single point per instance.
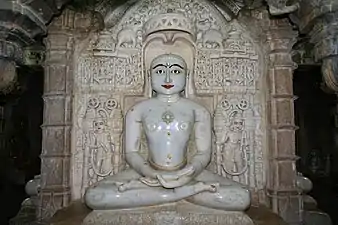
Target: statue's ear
pixel 148 82
pixel 186 90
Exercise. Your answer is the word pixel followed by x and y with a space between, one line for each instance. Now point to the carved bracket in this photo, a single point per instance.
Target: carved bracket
pixel 324 36
pixel 303 53
pixel 34 55
pixel 280 7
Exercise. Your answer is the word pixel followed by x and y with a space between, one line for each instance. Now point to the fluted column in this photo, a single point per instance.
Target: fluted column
pixel 284 195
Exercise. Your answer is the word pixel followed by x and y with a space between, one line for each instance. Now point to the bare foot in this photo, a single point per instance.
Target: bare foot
pixel 214 187
pixel 201 187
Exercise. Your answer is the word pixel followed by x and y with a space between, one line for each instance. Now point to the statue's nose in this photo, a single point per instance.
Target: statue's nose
pixel 167 77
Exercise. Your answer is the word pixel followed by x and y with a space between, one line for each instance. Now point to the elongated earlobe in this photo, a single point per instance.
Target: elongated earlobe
pixel 190 86
pixel 186 90
pixel 150 90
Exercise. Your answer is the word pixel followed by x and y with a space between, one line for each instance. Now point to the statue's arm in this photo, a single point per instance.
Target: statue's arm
pixel 203 138
pixel 132 143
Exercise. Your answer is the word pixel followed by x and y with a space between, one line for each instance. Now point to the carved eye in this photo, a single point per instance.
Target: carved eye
pixel 160 71
pixel 175 71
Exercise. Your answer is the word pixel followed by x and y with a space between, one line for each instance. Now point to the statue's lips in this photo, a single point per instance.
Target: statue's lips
pixel 167 86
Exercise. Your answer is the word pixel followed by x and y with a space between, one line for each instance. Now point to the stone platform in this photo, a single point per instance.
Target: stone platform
pixel 181 213
pixel 78 214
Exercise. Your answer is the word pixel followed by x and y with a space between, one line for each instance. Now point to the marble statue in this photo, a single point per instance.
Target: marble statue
pixel 169 121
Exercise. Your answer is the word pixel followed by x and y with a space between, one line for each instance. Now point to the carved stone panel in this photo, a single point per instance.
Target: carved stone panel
pixel 224 75
pixel 238 136
pixel 98 149
pixel 111 73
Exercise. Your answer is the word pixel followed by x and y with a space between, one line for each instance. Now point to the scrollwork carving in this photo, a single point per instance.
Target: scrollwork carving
pixel 112 73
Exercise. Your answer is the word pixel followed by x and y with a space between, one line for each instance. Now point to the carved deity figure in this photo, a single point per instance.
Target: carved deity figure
pixel 101 148
pixel 168 121
pixel 234 146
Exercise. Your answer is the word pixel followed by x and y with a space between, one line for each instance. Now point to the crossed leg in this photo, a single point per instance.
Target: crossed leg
pixel 108 194
pixel 230 195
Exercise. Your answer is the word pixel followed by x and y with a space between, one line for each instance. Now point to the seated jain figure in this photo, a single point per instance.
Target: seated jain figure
pixel 168 121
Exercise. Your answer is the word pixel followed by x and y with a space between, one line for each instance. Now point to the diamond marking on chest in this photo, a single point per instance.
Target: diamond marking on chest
pixel 168 117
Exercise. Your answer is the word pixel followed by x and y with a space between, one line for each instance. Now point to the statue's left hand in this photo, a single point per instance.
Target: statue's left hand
pixel 186 171
pixel 174 183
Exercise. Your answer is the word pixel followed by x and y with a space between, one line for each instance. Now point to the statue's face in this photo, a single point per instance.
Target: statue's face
pixel 168 74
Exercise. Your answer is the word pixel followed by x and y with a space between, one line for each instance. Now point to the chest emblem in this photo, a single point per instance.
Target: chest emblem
pixel 168 117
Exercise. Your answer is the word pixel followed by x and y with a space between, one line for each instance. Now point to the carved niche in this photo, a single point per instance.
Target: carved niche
pixel 224 75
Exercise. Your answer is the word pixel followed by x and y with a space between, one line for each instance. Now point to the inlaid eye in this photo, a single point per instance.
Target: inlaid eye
pixel 160 71
pixel 175 71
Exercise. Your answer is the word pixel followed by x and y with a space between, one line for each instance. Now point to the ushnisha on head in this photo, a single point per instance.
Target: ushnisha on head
pixel 168 74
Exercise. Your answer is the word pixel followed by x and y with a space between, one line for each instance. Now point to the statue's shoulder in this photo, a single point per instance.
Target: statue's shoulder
pixel 139 107
pixel 196 106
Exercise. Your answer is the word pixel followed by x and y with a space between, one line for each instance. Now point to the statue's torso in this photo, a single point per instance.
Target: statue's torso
pixel 168 127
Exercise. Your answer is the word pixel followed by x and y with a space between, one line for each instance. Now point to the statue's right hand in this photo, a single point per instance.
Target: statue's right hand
pixel 174 183
pixel 150 182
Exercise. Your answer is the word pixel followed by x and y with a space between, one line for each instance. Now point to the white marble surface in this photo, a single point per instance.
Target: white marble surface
pixel 111 75
pixel 169 121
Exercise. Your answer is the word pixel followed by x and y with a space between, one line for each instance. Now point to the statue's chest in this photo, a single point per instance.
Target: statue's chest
pixel 168 120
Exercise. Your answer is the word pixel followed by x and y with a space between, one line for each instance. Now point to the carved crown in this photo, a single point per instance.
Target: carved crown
pixel 168 21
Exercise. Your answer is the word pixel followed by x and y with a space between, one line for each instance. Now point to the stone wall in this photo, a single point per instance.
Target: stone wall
pixel 275 39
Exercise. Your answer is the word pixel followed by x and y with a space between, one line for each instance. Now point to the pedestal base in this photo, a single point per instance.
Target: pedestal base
pixel 78 214
pixel 181 213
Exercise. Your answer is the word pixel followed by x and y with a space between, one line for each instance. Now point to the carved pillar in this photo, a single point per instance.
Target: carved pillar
pixel 20 23
pixel 55 156
pixel 318 20
pixel 284 195
pixel 324 35
pixel 57 122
